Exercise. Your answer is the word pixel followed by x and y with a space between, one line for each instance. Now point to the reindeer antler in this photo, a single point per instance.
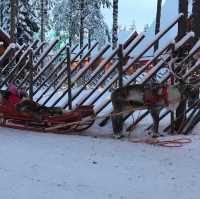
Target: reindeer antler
pixel 173 72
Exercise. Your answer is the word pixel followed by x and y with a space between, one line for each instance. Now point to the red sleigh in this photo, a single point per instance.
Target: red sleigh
pixel 76 120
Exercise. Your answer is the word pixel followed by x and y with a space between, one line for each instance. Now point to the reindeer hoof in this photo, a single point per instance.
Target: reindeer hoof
pixel 118 136
pixel 153 135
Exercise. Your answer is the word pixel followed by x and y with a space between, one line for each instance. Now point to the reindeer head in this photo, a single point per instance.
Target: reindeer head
pixel 188 89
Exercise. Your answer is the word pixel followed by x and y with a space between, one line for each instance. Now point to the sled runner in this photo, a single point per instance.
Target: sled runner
pixel 51 119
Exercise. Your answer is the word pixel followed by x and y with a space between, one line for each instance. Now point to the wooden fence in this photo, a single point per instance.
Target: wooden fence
pixel 45 76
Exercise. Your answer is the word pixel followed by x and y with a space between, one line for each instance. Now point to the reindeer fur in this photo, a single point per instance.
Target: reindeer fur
pixel 135 97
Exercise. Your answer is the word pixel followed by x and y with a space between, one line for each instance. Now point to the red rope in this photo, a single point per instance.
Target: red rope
pixel 164 143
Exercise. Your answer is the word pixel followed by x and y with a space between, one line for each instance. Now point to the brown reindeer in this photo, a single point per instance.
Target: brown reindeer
pixel 151 96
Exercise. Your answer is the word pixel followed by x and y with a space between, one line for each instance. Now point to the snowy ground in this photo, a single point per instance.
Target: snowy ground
pixel 48 166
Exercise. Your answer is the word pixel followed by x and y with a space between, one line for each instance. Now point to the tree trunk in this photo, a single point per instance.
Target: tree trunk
pixel 115 24
pixel 182 24
pixel 1 13
pixel 89 42
pixel 195 19
pixel 70 24
pixel 13 20
pixel 195 27
pixel 42 20
pixel 157 26
pixel 81 23
pixel 182 30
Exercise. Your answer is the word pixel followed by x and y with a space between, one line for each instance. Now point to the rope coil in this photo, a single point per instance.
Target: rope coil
pixel 172 143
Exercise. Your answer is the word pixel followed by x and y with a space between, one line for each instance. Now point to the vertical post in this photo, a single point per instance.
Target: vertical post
pixel 69 78
pixel 172 83
pixel 89 43
pixel 42 30
pixel 157 27
pixel 120 65
pixel 31 74
pixel 182 30
pixel 115 24
pixel 81 31
pixel 183 22
pixel 42 36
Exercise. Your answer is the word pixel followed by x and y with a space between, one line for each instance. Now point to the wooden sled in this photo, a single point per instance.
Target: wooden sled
pixel 76 120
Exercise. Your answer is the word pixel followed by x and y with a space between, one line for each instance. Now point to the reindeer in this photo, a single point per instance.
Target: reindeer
pixel 152 96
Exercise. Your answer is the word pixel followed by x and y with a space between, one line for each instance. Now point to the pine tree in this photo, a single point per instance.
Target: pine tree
pixel 132 26
pixel 76 17
pixel 26 22
pixel 146 28
pixel 6 15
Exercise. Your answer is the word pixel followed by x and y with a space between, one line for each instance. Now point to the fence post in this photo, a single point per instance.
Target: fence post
pixel 120 65
pixel 69 78
pixel 31 74
pixel 172 118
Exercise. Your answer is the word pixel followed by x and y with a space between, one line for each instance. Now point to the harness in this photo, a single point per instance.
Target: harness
pixel 153 99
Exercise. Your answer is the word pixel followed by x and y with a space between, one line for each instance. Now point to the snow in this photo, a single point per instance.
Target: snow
pixel 52 166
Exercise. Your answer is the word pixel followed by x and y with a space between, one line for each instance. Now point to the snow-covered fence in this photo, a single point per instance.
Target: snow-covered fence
pixel 79 74
pixel 63 71
pixel 7 53
pixel 13 59
pixel 135 42
pixel 57 70
pixel 54 71
pixel 39 64
pixel 99 68
pixel 20 65
pixel 56 78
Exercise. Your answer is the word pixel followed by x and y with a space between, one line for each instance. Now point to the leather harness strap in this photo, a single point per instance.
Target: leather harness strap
pixel 154 98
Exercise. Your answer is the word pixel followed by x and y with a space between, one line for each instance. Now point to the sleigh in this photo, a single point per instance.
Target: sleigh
pixel 73 121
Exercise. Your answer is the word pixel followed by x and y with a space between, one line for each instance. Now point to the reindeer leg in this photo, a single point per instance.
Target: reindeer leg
pixel 117 123
pixel 117 117
pixel 155 116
